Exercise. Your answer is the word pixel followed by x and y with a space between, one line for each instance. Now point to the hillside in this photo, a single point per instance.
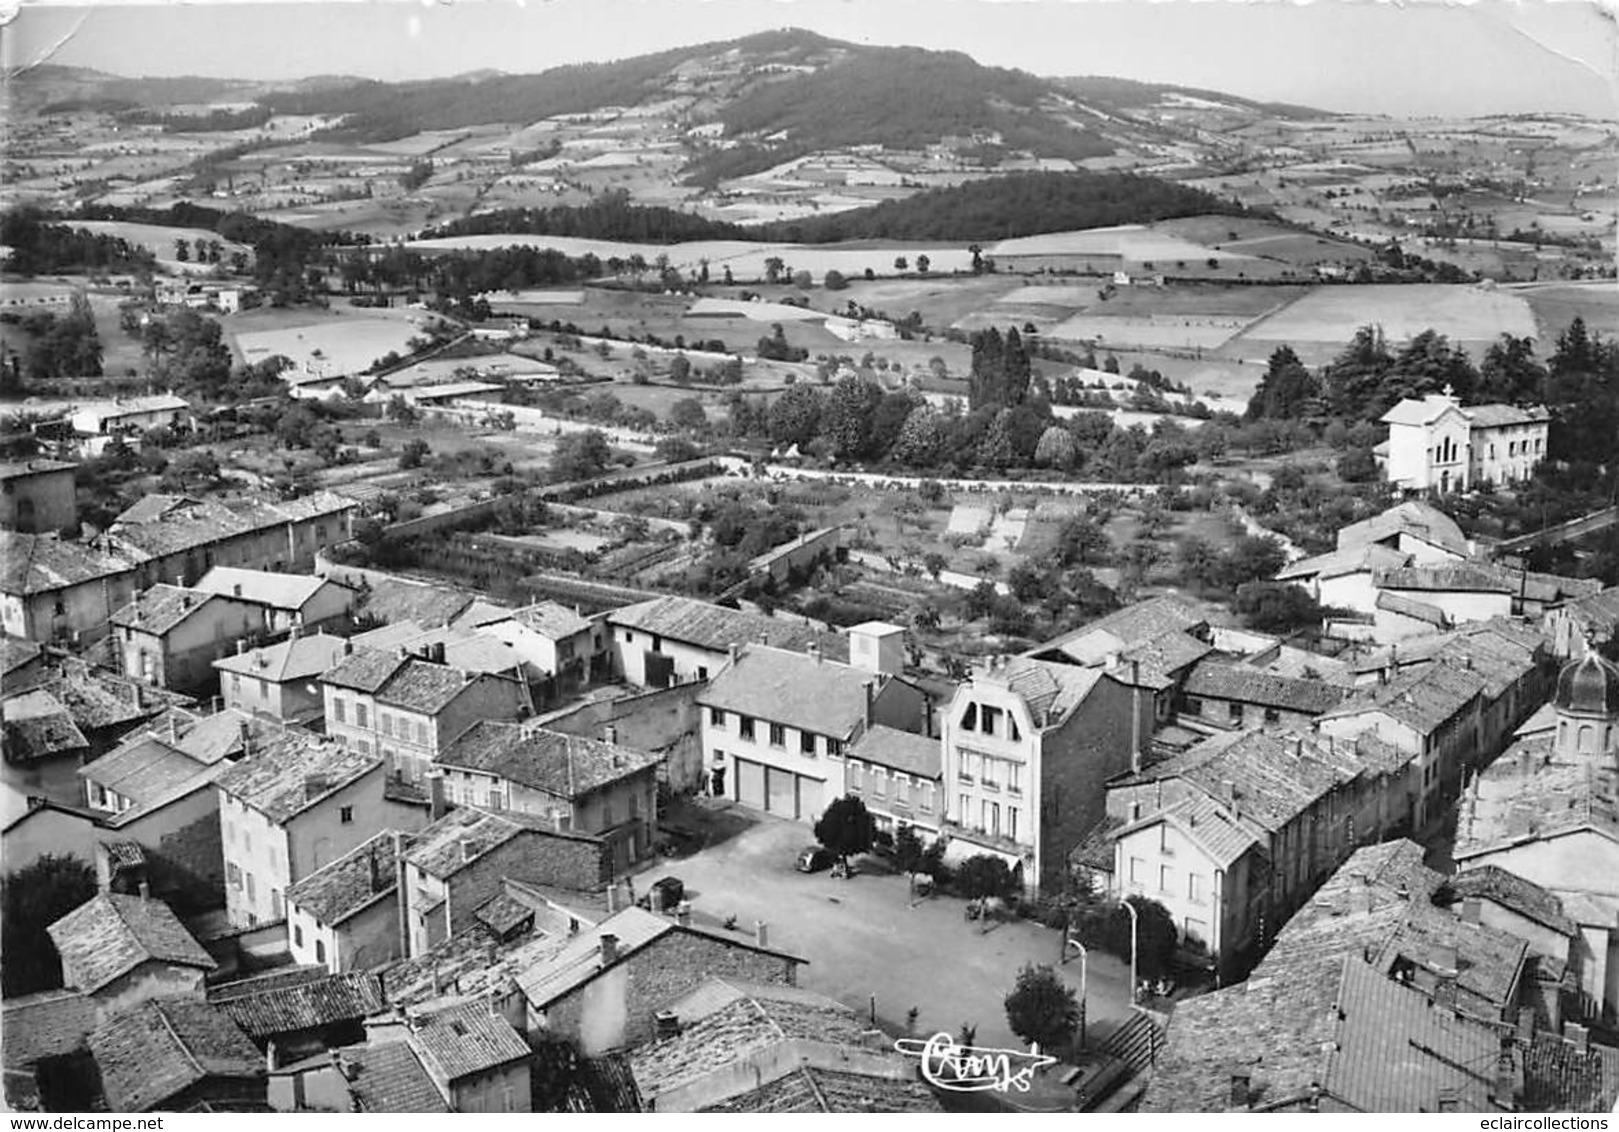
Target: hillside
pixel 1129 94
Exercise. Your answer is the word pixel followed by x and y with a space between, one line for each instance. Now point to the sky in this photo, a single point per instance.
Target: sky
pixel 1420 57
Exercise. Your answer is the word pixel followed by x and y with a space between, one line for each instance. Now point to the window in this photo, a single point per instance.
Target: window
pixel 702 672
pixel 806 742
pixel 1014 778
pixel 964 808
pixel 1272 715
pixel 236 682
pixel 234 875
pixel 778 735
pixel 716 717
pixel 363 745
pixel 320 951
pixel 924 797
pixel 744 726
pixel 1234 711
pixel 264 689
pixel 1138 867
pixel 1166 877
pixel 990 778
pixel 1194 887
pixel 1165 849
pixel 879 782
pixel 902 790
pixel 1012 732
pixel 360 717
pixel 345 815
pixel 421 733
pixel 386 722
pixel 340 710
pixel 629 637
pixel 1011 822
pixel 251 895
pixel 992 818
pixel 834 748
pixel 992 720
pixel 297 935
pixel 275 904
pixel 969 718
pixel 971 763
pixel 718 756
pixel 1196 930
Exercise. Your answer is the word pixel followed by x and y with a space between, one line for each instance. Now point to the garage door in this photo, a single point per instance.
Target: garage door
pixel 750 784
pixel 782 793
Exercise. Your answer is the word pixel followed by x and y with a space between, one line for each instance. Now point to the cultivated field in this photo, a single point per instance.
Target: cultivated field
pixel 1331 315
pixel 158 239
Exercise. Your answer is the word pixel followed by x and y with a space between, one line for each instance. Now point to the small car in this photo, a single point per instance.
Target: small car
pixel 812 859
pixel 664 895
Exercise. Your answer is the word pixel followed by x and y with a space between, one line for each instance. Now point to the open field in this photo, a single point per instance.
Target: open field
pixel 1173 332
pixel 158 239
pixel 1331 315
pixel 332 342
pixel 1555 305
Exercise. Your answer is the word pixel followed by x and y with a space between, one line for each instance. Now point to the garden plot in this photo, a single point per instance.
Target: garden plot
pixel 1156 331
pixel 1461 312
pixel 1005 529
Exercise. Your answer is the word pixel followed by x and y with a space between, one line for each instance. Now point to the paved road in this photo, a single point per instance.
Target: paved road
pixel 863 939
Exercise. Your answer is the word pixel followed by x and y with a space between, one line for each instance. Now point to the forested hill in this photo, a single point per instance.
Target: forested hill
pixel 1019 204
pixel 998 208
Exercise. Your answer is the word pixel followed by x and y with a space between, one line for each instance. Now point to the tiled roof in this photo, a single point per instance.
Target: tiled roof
pixel 1530 794
pixel 502 914
pixel 143 768
pixel 337 890
pixel 795 689
pixel 1223 680
pixel 469 963
pixel 35 564
pixel 397 599
pixel 1280 1023
pixel 283 1010
pixel 160 609
pixel 48 1024
pixel 293 771
pixel 1132 625
pixel 1413 517
pixel 580 961
pixel 1505 416
pixel 39 726
pixel 1051 691
pixel 16 470
pixel 132 406
pixel 567 766
pixel 464 1040
pixel 15 652
pixel 1423 698
pixel 164 1046
pixel 467 832
pixel 263 587
pixel 1599 611
pixel 1511 891
pixel 161 525
pixel 111 934
pixel 1337 563
pixel 1449 577
pixel 917 755
pixel 728 1032
pixel 1266 779
pixel 98 699
pixel 716 628
pixel 1392 602
pixel 1561 1076
pixel 1095 849
pixel 388 1077
pixel 1489 962
pixel 363 669
pixel 551 620
pixel 464 648
pixel 1414 411
pixel 1223 836
pixel 1166 653
pixel 1393 1052
pixel 298 658
pixel 423 686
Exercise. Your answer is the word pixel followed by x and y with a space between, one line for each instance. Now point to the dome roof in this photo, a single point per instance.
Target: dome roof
pixel 1589 686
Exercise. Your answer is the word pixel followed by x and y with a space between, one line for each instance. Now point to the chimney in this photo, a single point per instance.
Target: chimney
pixel 292 633
pixel 269 1056
pixel 556 820
pixel 438 652
pixel 668 1024
pixel 236 590
pixel 145 890
pixel 1239 1088
pixel 348 648
pixel 376 870
pixel 1525 763
pixel 244 731
pixel 871 699
pixel 815 652
pixel 733 650
pixel 1228 791
pixel 1578 1035
pixel 435 797
pixel 683 913
pixel 402 903
pixel 609 949
pixel 1471 909
pixel 610 734
pixel 241 645
pixel 761 933
pixel 466 848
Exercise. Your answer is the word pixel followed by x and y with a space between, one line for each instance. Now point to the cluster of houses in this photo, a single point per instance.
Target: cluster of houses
pixel 365 843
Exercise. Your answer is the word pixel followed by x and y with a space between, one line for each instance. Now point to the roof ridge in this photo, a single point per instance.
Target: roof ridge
pixel 178 1041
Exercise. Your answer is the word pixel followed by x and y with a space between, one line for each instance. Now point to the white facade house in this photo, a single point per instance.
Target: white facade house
pixel 1437 444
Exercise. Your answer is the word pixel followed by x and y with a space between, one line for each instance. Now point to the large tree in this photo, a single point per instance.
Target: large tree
pixel 1286 390
pixel 1042 1008
pixel 846 828
pixel 795 416
pixel 34 898
pixel 983 878
pixel 847 417
pixel 580 455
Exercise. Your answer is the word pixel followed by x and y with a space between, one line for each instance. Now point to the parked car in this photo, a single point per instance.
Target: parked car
pixel 813 858
pixel 664 895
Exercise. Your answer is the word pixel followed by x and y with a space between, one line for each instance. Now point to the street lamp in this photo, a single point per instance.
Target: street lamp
pixel 1135 923
pixel 1084 966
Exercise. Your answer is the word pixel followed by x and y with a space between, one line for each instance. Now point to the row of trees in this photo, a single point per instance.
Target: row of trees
pixel 58 346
